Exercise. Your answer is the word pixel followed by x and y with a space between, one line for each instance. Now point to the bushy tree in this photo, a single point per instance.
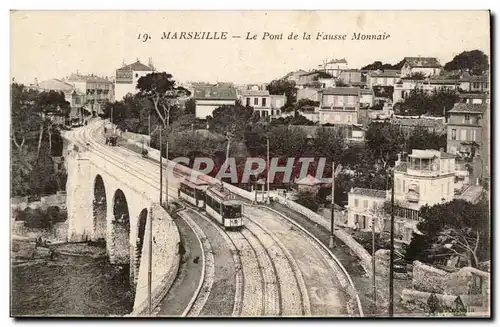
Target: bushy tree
pixel 285 87
pixel 457 227
pixel 308 200
pixel 474 62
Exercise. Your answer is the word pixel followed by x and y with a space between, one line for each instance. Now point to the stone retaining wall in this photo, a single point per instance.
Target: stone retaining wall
pixel 165 261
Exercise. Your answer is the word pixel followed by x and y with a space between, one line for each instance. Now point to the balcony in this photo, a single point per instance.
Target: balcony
pixel 412 196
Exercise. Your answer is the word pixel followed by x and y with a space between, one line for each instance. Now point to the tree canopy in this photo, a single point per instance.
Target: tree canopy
pixel 379 65
pixel 281 86
pixel 436 103
pixel 475 62
pixel 457 227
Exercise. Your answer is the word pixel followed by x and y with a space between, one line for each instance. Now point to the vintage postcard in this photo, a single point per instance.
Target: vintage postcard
pixel 250 164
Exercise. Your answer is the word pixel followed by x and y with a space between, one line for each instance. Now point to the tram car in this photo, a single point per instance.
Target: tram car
pixel 223 207
pixel 193 193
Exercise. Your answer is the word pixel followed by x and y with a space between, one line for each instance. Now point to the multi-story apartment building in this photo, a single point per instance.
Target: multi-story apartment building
pixel 127 76
pixel 339 105
pixel 387 77
pixel 263 103
pixel 97 90
pixel 474 98
pixel 425 65
pixel 465 128
pixel 209 98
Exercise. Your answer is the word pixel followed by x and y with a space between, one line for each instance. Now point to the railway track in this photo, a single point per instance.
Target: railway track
pixel 271 277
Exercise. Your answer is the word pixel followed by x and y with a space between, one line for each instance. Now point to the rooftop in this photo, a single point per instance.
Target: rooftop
pixel 386 73
pixel 468 108
pixel 426 122
pixel 215 92
pixel 87 78
pixel 136 66
pixel 423 62
pixel 429 154
pixel 342 91
pixel 369 192
pixel 475 78
pixel 255 93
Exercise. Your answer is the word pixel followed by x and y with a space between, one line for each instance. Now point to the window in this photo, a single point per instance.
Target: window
pixel 264 102
pixel 356 203
pixel 255 101
pixel 404 185
pixel 349 118
pixel 463 134
pixel 365 204
pixel 361 220
pixel 467 118
pixel 248 102
pixel 453 134
pixel 136 75
pixel 473 135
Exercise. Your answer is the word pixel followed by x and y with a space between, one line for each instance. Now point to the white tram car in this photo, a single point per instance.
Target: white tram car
pixel 218 203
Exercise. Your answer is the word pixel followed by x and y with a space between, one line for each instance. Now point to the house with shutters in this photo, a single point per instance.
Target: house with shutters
pixel 127 76
pixel 339 105
pixel 263 103
pixel 425 65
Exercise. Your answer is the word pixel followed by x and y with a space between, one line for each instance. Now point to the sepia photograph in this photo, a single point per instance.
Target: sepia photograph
pixel 250 164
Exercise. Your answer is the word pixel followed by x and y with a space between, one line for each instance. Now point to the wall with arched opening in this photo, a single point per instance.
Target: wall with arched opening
pixel 120 230
pixel 140 241
pixel 99 209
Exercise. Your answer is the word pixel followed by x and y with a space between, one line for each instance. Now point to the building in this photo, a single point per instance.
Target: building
pixel 426 178
pixel 474 98
pixel 351 133
pixel 339 105
pixel 475 84
pixel 263 103
pixel 126 78
pixel 386 77
pixel 425 65
pixel 364 207
pixel 334 67
pixel 97 90
pixel 465 128
pixel 350 76
pixel 209 98
pixel 310 93
pixel 367 98
pixel 404 87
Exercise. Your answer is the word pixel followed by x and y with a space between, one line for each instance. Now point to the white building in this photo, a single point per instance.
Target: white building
pixel 364 207
pixel 126 78
pixel 262 102
pixel 209 98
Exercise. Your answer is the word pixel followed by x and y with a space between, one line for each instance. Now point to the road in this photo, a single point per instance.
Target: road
pixel 269 268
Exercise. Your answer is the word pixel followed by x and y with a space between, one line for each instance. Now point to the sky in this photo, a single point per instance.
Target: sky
pixel 53 44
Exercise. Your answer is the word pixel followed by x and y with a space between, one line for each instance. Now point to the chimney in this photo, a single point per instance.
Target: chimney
pixel 36 81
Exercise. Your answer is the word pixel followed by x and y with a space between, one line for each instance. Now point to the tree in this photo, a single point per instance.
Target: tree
pixel 457 227
pixel 436 103
pixel 308 200
pixel 384 141
pixel 416 76
pixel 161 90
pixel 285 87
pixel 421 138
pixel 232 121
pixel 190 106
pixel 378 65
pixel 474 62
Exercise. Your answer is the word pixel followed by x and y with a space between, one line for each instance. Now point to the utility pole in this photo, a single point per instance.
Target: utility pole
pixel 161 169
pixel 149 128
pixel 373 269
pixel 332 220
pixel 150 261
pixel 268 166
pixel 391 263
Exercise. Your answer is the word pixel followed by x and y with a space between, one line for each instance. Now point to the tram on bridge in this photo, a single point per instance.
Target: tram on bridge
pixel 218 203
pixel 110 135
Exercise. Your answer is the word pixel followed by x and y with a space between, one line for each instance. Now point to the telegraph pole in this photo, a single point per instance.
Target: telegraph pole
pixel 161 169
pixel 332 220
pixel 149 128
pixel 268 166
pixel 150 261
pixel 391 263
